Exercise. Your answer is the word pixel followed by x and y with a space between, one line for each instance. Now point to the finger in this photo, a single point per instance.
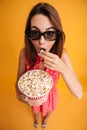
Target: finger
pixel 50 65
pixel 48 57
pixel 26 98
pixel 23 97
pixel 44 54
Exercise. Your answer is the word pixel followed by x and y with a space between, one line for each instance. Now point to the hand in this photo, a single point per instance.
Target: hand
pixel 24 98
pixel 21 97
pixel 52 61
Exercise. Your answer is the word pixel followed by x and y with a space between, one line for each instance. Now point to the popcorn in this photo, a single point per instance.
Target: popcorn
pixel 42 49
pixel 35 84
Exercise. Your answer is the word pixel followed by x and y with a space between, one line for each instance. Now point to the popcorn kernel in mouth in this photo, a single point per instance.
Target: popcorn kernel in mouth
pixel 42 49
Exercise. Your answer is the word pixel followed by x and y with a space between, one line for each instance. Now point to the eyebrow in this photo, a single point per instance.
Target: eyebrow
pixel 46 28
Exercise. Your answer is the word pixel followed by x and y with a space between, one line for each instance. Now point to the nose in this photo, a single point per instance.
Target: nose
pixel 42 40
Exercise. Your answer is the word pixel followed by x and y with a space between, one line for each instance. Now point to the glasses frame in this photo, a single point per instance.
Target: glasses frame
pixel 58 33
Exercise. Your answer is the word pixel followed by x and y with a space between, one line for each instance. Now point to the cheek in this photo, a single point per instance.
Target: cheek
pixel 34 44
pixel 50 45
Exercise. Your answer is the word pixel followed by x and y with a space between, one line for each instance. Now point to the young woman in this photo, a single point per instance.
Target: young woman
pixel 44 30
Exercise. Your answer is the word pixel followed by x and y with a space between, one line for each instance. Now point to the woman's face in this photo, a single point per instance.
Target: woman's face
pixel 41 23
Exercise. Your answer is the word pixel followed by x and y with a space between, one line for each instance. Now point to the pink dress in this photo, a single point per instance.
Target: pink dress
pixel 50 104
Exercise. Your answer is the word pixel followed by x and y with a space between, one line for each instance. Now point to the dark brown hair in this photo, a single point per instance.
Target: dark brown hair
pixel 49 11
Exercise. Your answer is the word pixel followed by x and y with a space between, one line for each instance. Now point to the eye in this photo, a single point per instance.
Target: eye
pixel 34 34
pixel 50 34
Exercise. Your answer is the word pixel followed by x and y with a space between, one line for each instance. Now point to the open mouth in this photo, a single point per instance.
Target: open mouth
pixel 42 49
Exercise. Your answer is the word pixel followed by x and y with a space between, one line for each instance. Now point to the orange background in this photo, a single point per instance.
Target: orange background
pixel 71 113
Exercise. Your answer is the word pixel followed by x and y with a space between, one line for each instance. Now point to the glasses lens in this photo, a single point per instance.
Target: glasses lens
pixel 50 35
pixel 34 35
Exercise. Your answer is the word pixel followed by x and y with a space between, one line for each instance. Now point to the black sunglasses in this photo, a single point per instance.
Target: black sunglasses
pixel 48 35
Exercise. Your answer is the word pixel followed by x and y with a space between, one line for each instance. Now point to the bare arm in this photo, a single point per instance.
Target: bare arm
pixel 21 64
pixel 21 70
pixel 70 77
pixel 64 66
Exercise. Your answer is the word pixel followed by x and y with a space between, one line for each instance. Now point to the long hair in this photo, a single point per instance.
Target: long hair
pixel 49 11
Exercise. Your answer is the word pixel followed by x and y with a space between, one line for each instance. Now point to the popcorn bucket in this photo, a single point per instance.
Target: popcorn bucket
pixel 36 85
pixel 38 101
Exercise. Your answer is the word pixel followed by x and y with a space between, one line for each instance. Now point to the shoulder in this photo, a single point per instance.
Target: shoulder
pixel 22 56
pixel 22 52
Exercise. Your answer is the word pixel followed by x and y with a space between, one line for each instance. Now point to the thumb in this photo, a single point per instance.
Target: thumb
pixel 26 98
